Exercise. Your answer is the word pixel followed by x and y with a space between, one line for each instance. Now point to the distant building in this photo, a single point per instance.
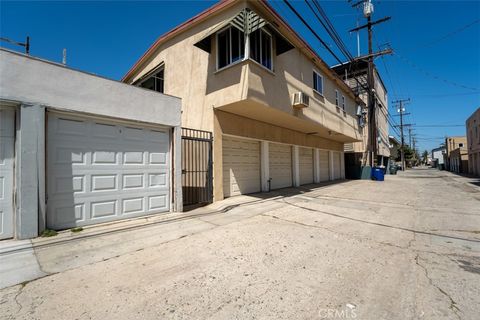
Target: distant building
pixel 473 143
pixel 458 160
pixel 355 76
pixel 394 147
pixel 451 144
pixel 438 157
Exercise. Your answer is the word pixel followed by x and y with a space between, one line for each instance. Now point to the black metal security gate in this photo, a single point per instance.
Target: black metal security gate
pixel 197 175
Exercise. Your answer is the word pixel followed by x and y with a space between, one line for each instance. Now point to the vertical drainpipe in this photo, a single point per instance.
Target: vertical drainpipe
pixel 296 166
pixel 264 166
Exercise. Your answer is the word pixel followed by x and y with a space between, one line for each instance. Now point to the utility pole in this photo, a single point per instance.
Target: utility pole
pixel 410 136
pixel 25 44
pixel 372 127
pixel 401 110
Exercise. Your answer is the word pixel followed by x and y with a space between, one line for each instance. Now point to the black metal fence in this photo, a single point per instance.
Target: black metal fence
pixel 197 175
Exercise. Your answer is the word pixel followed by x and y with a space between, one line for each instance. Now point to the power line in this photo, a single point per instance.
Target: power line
pixel 299 16
pixel 439 125
pixel 446 36
pixel 428 74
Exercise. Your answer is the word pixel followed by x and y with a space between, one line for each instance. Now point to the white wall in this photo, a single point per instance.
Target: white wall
pixel 35 81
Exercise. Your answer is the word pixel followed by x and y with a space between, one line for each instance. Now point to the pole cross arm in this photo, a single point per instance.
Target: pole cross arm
pixel 370 24
pixel 373 55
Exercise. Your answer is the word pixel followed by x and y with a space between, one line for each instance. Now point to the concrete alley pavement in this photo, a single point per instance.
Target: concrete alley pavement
pixel 405 248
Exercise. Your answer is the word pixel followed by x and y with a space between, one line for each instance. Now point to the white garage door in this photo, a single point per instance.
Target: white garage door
pixel 306 165
pixel 6 172
pixel 241 166
pixel 324 166
pixel 280 161
pixel 336 165
pixel 100 171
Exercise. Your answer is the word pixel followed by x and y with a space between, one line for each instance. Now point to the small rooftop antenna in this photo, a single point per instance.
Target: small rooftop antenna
pixel 64 56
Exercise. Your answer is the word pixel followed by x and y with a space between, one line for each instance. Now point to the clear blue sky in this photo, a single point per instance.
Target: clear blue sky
pixel 436 55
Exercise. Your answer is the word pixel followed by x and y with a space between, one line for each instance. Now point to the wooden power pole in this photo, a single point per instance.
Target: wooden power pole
pixel 372 127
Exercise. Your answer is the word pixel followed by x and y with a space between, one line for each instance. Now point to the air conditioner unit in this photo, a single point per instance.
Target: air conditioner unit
pixel 300 100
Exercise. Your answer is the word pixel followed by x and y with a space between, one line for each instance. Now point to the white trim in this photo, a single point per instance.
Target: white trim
pixel 317 73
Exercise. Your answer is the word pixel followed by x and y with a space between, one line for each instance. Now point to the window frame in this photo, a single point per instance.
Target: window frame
pixel 261 49
pixel 318 75
pixel 337 99
pixel 153 74
pixel 246 49
pixel 344 104
pixel 231 63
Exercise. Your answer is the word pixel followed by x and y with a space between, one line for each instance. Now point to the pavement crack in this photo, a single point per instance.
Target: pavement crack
pixel 335 232
pixel 453 304
pixel 20 291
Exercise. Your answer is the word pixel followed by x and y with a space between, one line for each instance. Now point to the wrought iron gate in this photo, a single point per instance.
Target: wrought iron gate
pixel 197 175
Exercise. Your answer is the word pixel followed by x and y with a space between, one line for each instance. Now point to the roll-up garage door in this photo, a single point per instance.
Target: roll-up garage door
pixel 280 162
pixel 336 165
pixel 306 165
pixel 100 171
pixel 241 166
pixel 324 166
pixel 7 134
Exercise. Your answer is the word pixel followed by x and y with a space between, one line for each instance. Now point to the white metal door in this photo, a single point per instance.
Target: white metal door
pixel 7 136
pixel 280 164
pixel 306 165
pixel 336 165
pixel 324 166
pixel 241 166
pixel 100 171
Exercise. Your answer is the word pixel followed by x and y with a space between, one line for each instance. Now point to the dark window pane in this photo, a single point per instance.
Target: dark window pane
pixel 266 50
pixel 223 48
pixel 238 45
pixel 314 80
pixel 255 46
pixel 148 84
pixel 159 85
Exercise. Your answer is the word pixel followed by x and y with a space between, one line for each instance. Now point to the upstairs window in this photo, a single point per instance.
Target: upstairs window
pixel 154 82
pixel 261 48
pixel 337 99
pixel 343 103
pixel 230 46
pixel 317 82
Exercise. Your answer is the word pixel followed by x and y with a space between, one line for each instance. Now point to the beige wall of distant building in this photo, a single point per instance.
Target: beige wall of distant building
pixel 473 142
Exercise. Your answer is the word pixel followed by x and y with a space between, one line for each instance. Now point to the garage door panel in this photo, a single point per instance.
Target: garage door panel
pixel 324 166
pixel 111 172
pixel 241 166
pixel 306 165
pixel 336 165
pixel 7 131
pixel 280 163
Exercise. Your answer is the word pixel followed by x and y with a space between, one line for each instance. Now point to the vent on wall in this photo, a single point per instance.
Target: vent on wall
pixel 300 100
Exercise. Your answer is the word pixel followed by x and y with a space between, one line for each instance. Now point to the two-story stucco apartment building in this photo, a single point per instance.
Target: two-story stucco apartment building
pixel 278 114
pixel 473 142
pixel 356 154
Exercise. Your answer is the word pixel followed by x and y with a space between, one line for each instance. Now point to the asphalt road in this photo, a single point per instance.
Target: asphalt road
pixel 406 248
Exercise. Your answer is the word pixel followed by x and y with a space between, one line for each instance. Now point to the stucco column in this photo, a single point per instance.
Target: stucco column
pixel 177 169
pixel 30 172
pixel 316 166
pixel 296 166
pixel 217 160
pixel 331 175
pixel 264 166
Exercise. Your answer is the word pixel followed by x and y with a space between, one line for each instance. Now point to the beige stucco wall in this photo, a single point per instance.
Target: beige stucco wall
pixel 381 118
pixel 190 73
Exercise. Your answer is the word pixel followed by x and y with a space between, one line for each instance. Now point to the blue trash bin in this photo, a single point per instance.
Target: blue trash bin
pixel 377 174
